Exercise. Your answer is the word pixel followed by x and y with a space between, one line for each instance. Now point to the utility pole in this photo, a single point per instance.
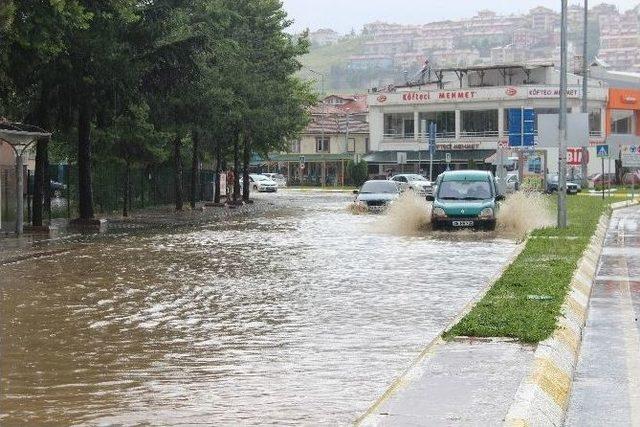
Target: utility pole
pixel 562 143
pixel 585 88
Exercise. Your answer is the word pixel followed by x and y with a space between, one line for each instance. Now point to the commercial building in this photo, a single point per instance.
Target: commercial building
pixel 470 107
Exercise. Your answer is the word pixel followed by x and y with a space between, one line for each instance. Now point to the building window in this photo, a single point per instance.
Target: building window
pixel 366 145
pixel 444 120
pixel 595 120
pixel 294 147
pixel 322 144
pixel 351 145
pixel 621 121
pixel 399 125
pixel 480 123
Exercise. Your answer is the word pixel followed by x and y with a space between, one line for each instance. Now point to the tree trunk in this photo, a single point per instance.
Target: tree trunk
pixel 85 187
pixel 194 168
pixel 216 190
pixel 127 190
pixel 39 185
pixel 177 172
pixel 236 168
pixel 246 159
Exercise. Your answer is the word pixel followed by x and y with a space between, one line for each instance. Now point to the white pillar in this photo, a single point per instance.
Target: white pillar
pixel 19 195
pixel 500 123
pixel 416 126
pixel 603 121
pixel 458 124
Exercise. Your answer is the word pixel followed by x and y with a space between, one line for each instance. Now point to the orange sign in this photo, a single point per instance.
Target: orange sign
pixel 624 99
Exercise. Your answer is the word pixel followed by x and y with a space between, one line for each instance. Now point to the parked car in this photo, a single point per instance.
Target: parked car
pixel 552 185
pixel 415 182
pixel 599 179
pixel 465 199
pixel 511 183
pixel 261 183
pixel 631 178
pixel 278 178
pixel 57 188
pixel 376 195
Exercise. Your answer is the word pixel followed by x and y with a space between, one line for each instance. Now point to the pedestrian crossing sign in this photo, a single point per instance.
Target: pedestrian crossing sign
pixel 603 151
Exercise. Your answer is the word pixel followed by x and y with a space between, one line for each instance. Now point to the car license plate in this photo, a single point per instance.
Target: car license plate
pixel 462 223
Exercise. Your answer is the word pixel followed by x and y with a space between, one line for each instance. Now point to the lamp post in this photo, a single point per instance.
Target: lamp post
pixel 562 143
pixel 20 138
pixel 324 118
pixel 585 77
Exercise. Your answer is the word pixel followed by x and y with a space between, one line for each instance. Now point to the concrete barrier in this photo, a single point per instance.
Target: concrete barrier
pixel 543 396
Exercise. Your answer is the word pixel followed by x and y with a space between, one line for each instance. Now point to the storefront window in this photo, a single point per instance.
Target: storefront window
pixel 621 121
pixel 445 120
pixel 480 123
pixel 399 125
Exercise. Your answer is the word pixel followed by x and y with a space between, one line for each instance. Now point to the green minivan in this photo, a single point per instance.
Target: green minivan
pixel 465 199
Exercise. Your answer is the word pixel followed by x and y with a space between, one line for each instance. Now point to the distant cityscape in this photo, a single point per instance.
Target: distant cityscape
pixel 385 53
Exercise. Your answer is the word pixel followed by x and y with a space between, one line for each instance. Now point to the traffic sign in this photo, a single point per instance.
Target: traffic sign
pixel 603 151
pixel 402 158
pixel 521 127
pixel 302 162
pixel 448 158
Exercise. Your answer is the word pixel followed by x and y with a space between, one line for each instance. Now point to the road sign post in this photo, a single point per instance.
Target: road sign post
pixel 448 160
pixel 433 129
pixel 603 153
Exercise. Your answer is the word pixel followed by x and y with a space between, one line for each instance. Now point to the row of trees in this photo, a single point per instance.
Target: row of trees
pixel 142 81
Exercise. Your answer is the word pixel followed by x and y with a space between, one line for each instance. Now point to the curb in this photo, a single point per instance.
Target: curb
pixel 370 417
pixel 543 396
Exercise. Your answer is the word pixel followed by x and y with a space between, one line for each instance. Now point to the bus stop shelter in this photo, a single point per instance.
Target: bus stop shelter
pixel 20 138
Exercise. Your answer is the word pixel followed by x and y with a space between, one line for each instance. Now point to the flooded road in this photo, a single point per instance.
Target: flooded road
pixel 301 316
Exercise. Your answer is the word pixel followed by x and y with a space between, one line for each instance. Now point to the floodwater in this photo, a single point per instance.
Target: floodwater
pixel 302 316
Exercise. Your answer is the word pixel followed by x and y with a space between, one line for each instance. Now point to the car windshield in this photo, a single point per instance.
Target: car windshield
pixel 464 190
pixel 374 187
pixel 259 178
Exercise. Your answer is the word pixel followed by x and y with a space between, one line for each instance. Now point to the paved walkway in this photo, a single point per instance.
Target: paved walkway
pixel 470 383
pixel 606 390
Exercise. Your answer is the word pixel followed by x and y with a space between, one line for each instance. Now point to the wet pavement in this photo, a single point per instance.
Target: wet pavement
pixel 466 382
pixel 606 388
pixel 300 315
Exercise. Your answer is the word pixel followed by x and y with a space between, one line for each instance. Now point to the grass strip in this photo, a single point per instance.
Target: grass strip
pixel 525 302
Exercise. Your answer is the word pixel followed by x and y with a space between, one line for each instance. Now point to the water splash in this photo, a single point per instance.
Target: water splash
pixel 524 212
pixel 408 215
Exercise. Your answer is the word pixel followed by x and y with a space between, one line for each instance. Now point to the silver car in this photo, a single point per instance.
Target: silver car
pixel 415 182
pixel 278 178
pixel 376 195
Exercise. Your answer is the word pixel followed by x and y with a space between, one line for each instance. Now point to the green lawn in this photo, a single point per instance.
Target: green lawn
pixel 544 268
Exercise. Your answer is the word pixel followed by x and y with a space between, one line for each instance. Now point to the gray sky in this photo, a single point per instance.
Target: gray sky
pixel 343 15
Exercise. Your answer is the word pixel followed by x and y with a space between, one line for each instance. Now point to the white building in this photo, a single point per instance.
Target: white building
pixel 469 106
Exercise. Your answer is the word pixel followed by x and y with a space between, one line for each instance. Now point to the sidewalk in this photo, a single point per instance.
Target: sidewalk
pixel 606 389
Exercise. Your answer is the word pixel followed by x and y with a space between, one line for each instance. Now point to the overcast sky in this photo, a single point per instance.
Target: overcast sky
pixel 343 15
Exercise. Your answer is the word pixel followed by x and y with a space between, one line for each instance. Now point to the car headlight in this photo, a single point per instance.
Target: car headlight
pixel 439 213
pixel 486 213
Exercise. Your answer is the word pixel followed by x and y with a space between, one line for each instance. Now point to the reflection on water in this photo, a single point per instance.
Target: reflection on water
pixel 299 317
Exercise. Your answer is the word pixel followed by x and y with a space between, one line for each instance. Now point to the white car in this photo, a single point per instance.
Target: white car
pixel 278 178
pixel 261 184
pixel 415 182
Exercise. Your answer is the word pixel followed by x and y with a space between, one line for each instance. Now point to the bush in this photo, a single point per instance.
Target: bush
pixel 357 173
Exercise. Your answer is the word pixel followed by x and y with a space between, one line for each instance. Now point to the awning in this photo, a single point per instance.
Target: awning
pixel 308 158
pixel 459 156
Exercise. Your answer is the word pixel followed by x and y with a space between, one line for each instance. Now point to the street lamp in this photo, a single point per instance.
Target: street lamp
pixel 20 138
pixel 562 143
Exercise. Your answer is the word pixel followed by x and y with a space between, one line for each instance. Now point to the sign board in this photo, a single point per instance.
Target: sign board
pixel 603 151
pixel 448 158
pixel 630 156
pixel 302 162
pixel 574 156
pixel 402 158
pixel 521 127
pixel 577 130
